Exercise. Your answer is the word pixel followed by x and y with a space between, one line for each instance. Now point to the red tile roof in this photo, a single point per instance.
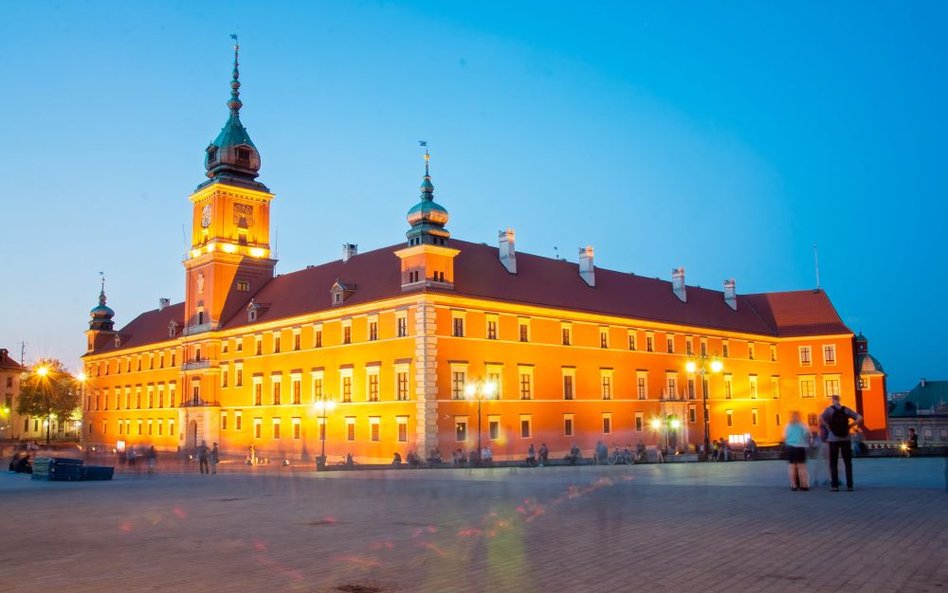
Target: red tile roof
pixel 539 281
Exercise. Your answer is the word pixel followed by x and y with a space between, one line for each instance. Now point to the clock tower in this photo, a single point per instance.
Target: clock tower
pixel 229 259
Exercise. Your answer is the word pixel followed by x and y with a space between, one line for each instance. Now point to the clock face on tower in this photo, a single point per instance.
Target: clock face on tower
pixel 206 216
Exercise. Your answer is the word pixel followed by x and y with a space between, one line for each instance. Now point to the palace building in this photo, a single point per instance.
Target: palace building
pixel 439 343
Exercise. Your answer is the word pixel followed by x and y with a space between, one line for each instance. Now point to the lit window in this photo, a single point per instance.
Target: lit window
pixel 805 356
pixel 829 354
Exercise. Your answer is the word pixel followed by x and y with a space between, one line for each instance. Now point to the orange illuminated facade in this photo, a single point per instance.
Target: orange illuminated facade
pixel 395 337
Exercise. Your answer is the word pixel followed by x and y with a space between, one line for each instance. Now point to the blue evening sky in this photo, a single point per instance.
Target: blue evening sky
pixel 725 137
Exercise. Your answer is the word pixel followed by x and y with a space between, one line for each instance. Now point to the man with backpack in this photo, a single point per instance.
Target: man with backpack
pixel 835 419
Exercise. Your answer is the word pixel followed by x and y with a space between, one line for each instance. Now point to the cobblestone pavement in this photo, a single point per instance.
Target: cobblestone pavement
pixel 708 527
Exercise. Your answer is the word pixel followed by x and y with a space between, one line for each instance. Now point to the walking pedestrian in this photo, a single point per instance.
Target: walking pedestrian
pixel 202 452
pixel 215 458
pixel 795 439
pixel 836 418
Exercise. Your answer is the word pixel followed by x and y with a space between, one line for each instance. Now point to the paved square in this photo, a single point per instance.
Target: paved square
pixel 675 527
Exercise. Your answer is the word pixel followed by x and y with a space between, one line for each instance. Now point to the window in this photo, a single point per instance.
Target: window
pixel 493 428
pixel 807 387
pixel 649 343
pixel 671 386
pixel 346 332
pixel 831 386
pixel 296 339
pixel 373 331
pixel 495 377
pixel 318 337
pixel 692 414
pixel 526 382
pixel 631 340
pixel 773 353
pixel 276 390
pixel 243 286
pixel 605 383
pixel 639 421
pixel 238 420
pixel 492 328
pixel 457 327
pixel 704 347
pixel 238 375
pixel 258 391
pixel 321 423
pixel 863 383
pixel 347 388
pixel 725 349
pixel 670 343
pixel 754 417
pixel 401 424
pixel 567 425
pixel 296 388
pixel 460 429
pixel 829 354
pixel 569 377
pixel 402 324
pixel 317 377
pixel 350 428
pixel 276 343
pixel 276 428
pixel 401 383
pixel 375 429
pixel 223 375
pixel 750 351
pixel 458 381
pixel 729 414
pixel 526 427
pixel 607 423
pixel 752 386
pixel 603 338
pixel 811 419
pixel 151 427
pixel 223 420
pixel 372 385
pixel 775 387
pixel 728 386
pixel 567 334
pixel 805 356
pixel 257 428
pixel 641 384
pixel 691 388
pixel 523 329
pixel 297 428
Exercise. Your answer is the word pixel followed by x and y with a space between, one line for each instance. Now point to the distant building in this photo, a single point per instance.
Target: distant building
pixel 924 408
pixel 10 421
pixel 398 336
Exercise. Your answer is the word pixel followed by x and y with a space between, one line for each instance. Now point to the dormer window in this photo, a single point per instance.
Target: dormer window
pixel 340 292
pixel 118 341
pixel 243 155
pixel 212 154
pixel 172 327
pixel 252 315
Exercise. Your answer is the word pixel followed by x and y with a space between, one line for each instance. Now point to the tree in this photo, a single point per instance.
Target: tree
pixel 48 390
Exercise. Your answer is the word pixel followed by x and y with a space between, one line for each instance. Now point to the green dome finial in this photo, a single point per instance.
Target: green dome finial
pixel 427 218
pixel 234 104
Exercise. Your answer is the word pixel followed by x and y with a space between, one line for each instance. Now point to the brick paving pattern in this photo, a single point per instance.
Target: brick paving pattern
pixel 711 527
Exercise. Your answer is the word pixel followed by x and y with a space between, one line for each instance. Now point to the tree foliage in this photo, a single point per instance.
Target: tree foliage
pixel 55 394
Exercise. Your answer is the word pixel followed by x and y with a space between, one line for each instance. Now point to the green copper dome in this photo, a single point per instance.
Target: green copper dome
pixel 232 156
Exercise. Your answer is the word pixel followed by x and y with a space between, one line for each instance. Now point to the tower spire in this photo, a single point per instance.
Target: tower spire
pixel 235 104
pixel 102 292
pixel 427 218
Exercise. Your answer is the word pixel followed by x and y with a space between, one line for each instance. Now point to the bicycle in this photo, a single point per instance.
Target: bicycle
pixel 623 455
pixel 347 462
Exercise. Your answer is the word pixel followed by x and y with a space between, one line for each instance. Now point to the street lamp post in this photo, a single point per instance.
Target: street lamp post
pixel 480 392
pixel 43 373
pixel 702 365
pixel 323 405
pixel 81 380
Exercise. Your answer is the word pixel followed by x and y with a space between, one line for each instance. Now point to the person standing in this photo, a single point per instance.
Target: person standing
pixel 531 456
pixel 202 452
pixel 912 442
pixel 795 438
pixel 215 458
pixel 836 418
pixel 544 454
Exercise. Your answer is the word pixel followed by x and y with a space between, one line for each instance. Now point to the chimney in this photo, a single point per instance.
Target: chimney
pixel 163 302
pixel 349 250
pixel 730 294
pixel 587 271
pixel 923 382
pixel 508 255
pixel 678 284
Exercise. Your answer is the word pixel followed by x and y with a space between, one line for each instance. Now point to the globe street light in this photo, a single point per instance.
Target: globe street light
pixel 702 365
pixel 480 391
pixel 323 406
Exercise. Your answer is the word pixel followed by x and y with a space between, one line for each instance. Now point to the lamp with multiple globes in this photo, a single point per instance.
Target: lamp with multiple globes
pixel 480 391
pixel 703 365
pixel 323 405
